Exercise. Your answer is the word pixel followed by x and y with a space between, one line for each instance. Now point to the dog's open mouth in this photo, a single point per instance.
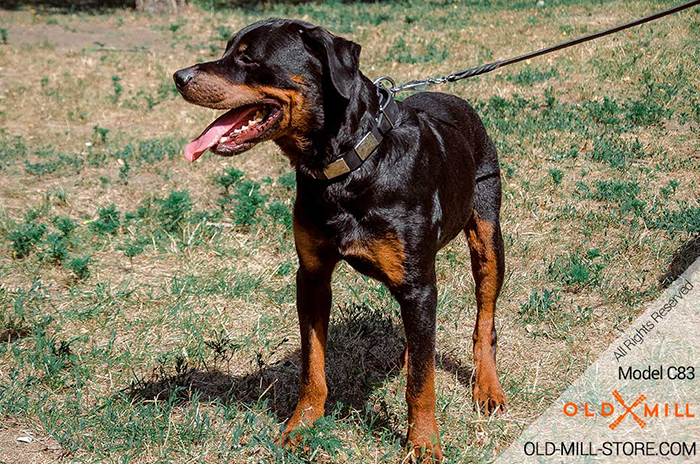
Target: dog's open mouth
pixel 237 130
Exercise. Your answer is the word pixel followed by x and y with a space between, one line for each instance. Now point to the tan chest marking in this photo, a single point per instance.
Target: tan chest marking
pixel 386 254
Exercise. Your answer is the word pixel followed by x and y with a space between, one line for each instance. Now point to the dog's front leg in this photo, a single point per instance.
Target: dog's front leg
pixel 418 311
pixel 313 310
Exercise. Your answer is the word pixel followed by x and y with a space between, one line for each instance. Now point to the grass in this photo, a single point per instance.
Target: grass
pixel 147 304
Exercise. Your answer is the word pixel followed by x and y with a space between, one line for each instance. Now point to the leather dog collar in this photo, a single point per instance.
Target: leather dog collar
pixel 384 122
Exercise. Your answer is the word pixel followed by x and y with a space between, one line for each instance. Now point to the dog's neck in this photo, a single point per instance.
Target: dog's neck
pixel 343 124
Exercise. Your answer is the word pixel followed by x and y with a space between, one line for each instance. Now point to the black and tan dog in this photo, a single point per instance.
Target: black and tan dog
pixel 385 197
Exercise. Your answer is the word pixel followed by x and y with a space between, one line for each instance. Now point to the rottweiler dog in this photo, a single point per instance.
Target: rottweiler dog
pixel 387 206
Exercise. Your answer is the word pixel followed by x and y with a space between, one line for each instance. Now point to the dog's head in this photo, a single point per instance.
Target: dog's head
pixel 277 79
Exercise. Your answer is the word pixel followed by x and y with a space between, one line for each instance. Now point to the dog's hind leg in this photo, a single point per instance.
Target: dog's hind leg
pixel 488 266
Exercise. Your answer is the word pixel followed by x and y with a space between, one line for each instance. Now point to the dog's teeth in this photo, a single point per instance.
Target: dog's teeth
pixel 259 116
pixel 237 131
pixel 244 128
pixel 223 139
pixel 252 122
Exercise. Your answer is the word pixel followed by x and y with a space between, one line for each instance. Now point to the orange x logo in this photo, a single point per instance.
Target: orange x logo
pixel 628 410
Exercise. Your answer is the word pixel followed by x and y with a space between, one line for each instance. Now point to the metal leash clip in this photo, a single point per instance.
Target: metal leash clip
pixel 382 90
pixel 387 105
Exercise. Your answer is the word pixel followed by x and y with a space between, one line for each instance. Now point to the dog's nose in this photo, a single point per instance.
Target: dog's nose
pixel 183 76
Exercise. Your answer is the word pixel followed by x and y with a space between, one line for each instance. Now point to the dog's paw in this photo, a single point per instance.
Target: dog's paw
pixel 489 396
pixel 424 453
pixel 304 416
pixel 423 442
pixel 289 439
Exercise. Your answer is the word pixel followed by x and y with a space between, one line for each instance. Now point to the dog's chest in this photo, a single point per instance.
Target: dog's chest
pixel 369 244
pixel 364 226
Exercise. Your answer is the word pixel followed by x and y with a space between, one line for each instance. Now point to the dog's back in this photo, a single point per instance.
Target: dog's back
pixel 456 112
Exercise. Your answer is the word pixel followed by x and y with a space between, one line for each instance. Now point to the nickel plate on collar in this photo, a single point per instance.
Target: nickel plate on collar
pixel 336 168
pixel 366 146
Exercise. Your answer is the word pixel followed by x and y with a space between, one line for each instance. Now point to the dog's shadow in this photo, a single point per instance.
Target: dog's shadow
pixel 362 353
pixel 684 256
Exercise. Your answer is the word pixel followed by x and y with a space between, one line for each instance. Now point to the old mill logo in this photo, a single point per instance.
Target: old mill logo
pixel 638 410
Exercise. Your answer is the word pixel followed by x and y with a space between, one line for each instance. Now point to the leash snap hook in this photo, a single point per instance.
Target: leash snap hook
pixel 381 88
pixel 378 81
pixel 387 105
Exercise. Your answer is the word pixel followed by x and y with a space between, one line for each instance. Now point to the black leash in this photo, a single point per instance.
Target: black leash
pixel 421 85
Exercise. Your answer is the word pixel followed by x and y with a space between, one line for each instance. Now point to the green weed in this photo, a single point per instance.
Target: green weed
pixel 615 191
pixel 55 250
pixel 556 175
pixel 26 238
pixel 247 201
pixel 221 345
pixel 686 218
pixel 280 213
pixel 133 248
pixel 79 267
pixel 108 220
pixel 124 169
pixel 101 133
pixel 173 210
pixel 166 90
pixel 11 149
pixel 53 166
pixel 288 180
pixel 155 150
pixel 576 270
pixel 670 189
pixel 606 112
pixel 545 315
pixel 645 112
pixel 320 437
pixel 615 152
pixel 530 76
pixel 65 225
pixel 14 320
pixel 222 33
pixel 117 89
pixel 227 178
pixel 540 307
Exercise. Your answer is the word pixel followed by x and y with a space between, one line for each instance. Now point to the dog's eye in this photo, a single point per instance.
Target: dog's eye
pixel 241 54
pixel 245 58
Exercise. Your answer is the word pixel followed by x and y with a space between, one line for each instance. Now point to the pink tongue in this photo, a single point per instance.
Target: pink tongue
pixel 214 131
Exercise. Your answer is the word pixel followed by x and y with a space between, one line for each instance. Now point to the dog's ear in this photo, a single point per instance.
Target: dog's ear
pixel 340 57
